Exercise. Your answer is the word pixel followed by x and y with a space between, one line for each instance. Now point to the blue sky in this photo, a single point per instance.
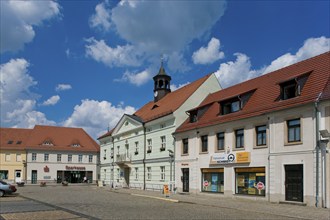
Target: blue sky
pixel 86 63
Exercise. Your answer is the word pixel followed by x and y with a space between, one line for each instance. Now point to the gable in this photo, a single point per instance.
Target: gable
pixel 126 124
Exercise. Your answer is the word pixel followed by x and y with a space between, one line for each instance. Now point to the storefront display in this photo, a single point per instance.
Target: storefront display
pixel 250 181
pixel 212 180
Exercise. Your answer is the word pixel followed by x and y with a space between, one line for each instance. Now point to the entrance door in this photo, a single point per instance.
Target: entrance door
pixel 185 179
pixel 126 176
pixel 34 175
pixel 18 178
pixel 294 190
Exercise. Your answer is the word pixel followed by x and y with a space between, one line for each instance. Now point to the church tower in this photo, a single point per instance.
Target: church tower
pixel 161 84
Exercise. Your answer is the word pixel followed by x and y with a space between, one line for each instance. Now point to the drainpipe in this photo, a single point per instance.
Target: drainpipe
pixel 270 121
pixel 144 155
pixel 317 139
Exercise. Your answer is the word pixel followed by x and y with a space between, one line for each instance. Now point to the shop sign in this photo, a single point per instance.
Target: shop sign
pixel 74 168
pixel 47 177
pixel 206 183
pixel 260 186
pixel 46 169
pixel 233 157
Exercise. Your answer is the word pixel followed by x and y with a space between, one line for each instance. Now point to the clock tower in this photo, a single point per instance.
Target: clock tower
pixel 161 84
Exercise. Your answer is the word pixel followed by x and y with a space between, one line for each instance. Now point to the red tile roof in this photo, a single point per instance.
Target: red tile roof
pixel 170 102
pixel 14 138
pixel 265 98
pixel 62 139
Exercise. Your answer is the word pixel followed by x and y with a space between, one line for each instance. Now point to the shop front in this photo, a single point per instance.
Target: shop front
pixel 74 174
pixel 250 181
pixel 212 180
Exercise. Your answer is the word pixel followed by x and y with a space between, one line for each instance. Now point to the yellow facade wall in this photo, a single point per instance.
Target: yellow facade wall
pixel 11 163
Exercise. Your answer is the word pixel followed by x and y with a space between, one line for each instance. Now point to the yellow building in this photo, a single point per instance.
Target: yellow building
pixel 13 154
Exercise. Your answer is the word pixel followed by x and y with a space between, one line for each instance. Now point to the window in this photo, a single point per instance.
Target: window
pixel 193 117
pixel 80 158
pixel 118 148
pixel 3 174
pixel 250 181
pixel 18 157
pixel 136 148
pixel 90 158
pixel 136 173
pixel 127 149
pixel 230 106
pixel 239 136
pixel 7 157
pixel 48 143
pixel 163 141
pixel 220 141
pixel 118 173
pixel 34 156
pixel 75 145
pixel 294 130
pixel 162 173
pixel 213 180
pixel 149 146
pixel 46 157
pixel 70 158
pixel 261 135
pixel 204 143
pixel 185 146
pixel 10 142
pixel 18 142
pixel 149 173
pixel 290 89
pixel 59 157
pixel 111 154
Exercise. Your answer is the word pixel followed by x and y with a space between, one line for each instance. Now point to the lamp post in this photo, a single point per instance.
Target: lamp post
pixel 171 154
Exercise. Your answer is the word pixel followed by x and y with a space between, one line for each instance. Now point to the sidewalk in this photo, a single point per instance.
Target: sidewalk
pixel 239 204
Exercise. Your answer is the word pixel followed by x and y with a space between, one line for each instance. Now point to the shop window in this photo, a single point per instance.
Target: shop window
pixel 250 181
pixel 3 174
pixel 261 135
pixel 204 142
pixel 213 180
pixel 185 146
pixel 220 141
pixel 293 128
pixel 239 138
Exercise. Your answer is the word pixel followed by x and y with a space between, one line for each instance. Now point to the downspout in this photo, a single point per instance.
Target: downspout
pixel 269 141
pixel 113 161
pixel 317 139
pixel 144 155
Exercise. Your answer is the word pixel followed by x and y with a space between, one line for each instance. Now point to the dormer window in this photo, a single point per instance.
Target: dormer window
pixel 10 142
pixel 75 145
pixel 290 90
pixel 230 106
pixel 48 143
pixel 193 116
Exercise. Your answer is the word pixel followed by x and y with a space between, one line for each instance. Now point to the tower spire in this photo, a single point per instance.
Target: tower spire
pixel 162 82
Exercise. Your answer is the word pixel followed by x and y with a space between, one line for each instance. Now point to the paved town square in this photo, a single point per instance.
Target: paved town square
pixel 92 202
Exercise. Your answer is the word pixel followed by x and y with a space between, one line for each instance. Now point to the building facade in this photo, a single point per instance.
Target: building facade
pixel 54 154
pixel 265 139
pixel 139 151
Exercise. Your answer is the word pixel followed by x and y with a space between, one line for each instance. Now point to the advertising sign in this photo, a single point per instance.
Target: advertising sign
pixel 233 157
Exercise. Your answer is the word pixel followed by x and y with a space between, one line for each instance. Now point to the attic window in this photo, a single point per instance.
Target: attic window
pixel 18 142
pixel 230 106
pixel 193 116
pixel 293 87
pixel 10 142
pixel 48 143
pixel 75 145
pixel 155 106
pixel 126 123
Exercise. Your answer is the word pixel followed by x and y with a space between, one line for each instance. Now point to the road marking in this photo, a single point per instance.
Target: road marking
pixel 155 197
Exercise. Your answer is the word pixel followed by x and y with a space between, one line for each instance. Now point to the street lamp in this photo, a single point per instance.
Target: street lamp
pixel 171 154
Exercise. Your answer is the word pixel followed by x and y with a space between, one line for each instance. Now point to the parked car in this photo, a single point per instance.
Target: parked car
pixel 6 188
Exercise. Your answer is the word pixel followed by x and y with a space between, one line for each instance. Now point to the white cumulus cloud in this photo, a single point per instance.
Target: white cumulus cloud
pixel 209 54
pixel 17 101
pixel 62 87
pixel 51 101
pixel 96 116
pixel 101 18
pixel 176 87
pixel 18 19
pixel 119 56
pixel 137 79
pixel 234 72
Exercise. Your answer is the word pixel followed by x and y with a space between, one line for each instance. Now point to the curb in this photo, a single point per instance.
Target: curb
pixel 155 197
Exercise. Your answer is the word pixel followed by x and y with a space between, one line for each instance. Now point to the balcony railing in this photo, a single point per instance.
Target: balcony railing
pixel 123 158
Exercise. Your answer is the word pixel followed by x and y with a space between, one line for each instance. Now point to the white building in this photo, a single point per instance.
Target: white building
pixel 55 154
pixel 266 138
pixel 138 152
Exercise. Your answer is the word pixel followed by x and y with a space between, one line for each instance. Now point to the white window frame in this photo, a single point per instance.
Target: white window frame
pixel 162 173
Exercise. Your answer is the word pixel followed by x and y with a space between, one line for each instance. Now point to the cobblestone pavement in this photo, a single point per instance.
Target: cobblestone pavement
pixel 91 202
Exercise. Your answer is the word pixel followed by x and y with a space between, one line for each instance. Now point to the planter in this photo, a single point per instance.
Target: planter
pixel 42 184
pixel 20 184
pixel 65 183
